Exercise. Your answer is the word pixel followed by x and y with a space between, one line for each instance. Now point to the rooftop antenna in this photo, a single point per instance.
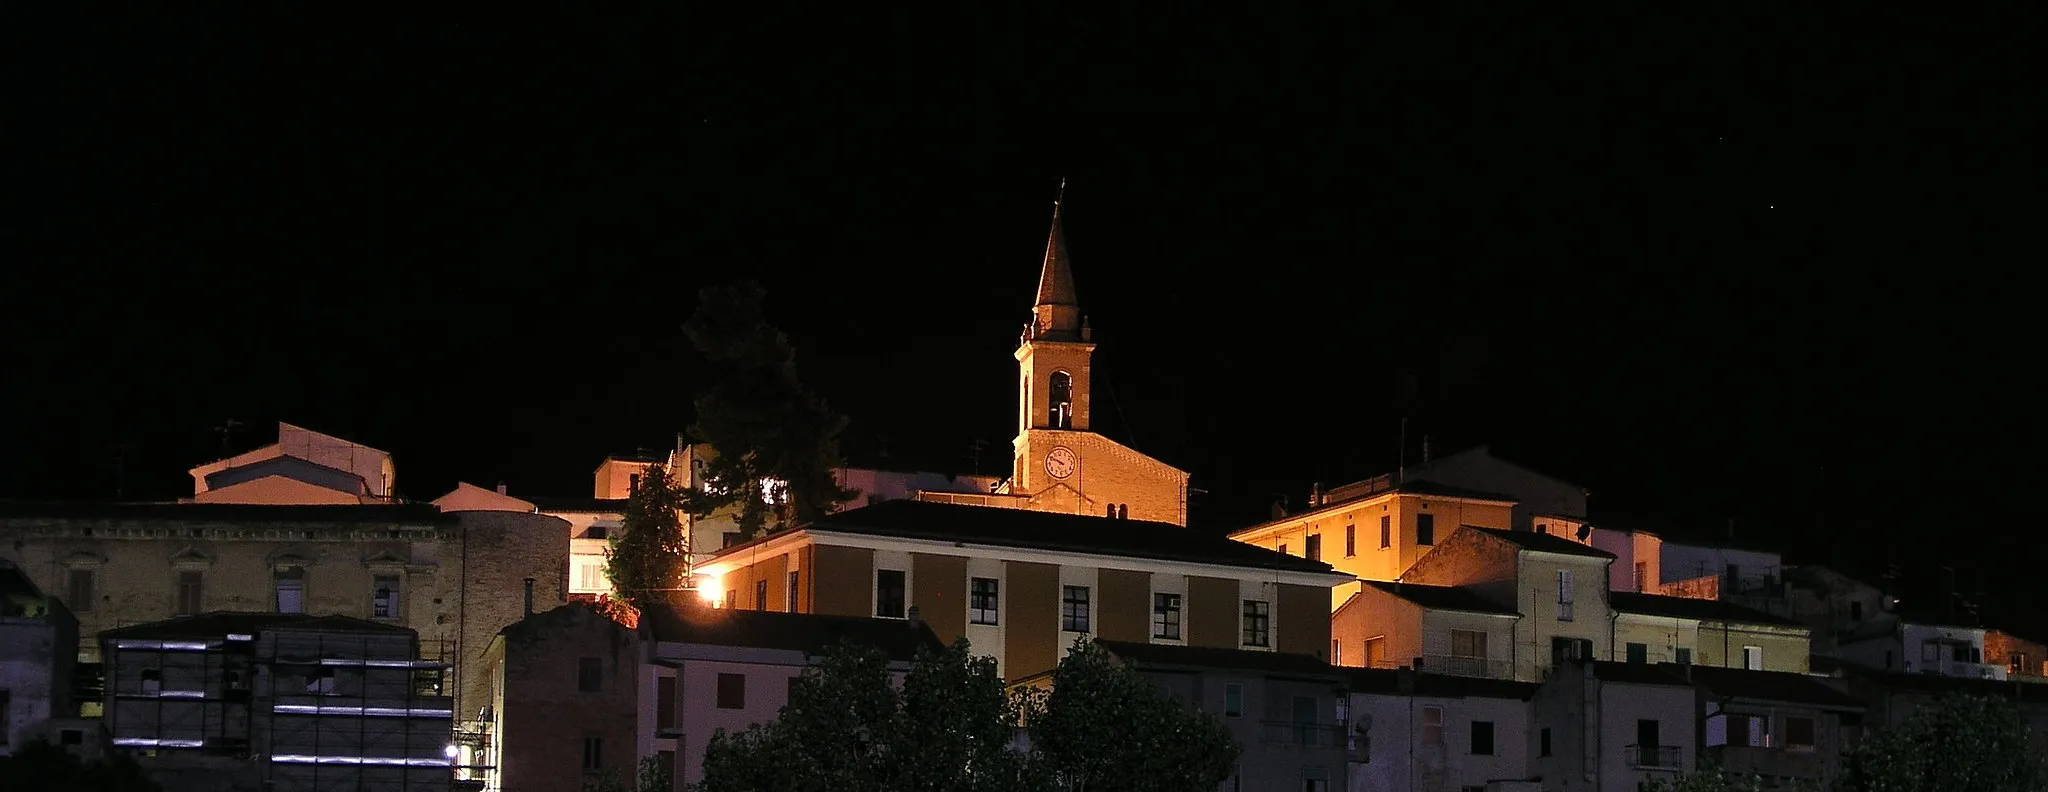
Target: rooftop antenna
pixel 1401 472
pixel 227 430
pixel 974 448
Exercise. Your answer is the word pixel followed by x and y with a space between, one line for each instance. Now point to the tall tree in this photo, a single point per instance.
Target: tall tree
pixel 1958 743
pixel 1104 727
pixel 777 442
pixel 648 555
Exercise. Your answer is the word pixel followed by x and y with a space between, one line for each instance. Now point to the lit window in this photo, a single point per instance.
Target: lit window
pixel 291 590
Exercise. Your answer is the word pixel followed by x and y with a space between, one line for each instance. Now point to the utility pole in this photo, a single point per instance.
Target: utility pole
pixel 974 455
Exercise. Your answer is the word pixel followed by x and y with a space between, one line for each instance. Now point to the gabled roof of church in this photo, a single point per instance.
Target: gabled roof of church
pixel 1056 276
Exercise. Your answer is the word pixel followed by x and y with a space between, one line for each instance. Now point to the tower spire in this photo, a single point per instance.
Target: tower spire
pixel 1057 310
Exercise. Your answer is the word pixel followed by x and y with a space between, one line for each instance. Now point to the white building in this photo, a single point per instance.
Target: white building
pixel 38 643
pixel 1410 731
pixel 1923 647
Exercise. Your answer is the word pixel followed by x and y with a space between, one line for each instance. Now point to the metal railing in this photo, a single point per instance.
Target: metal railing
pixel 1656 756
pixel 1306 735
pixel 1466 666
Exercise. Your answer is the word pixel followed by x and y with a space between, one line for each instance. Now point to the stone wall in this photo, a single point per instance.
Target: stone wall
pixel 546 716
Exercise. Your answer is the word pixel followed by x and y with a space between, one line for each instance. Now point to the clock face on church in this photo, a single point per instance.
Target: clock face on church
pixel 1060 463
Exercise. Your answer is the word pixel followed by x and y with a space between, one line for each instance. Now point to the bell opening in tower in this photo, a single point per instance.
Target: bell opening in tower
pixel 1060 401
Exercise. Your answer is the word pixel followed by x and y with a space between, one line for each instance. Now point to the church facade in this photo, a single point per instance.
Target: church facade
pixel 1061 465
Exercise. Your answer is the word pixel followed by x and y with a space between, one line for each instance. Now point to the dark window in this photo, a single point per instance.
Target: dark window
pixel 1350 541
pixel 593 753
pixel 1166 616
pixel 1312 548
pixel 1482 738
pixel 1074 608
pixel 589 674
pixel 1638 653
pixel 1543 743
pixel 1425 529
pixel 761 594
pixel 1646 734
pixel 1059 402
pixel 665 703
pixel 1283 548
pixel 69 737
pixel 632 482
pixel 595 532
pixel 384 597
pixel 666 760
pixel 190 593
pixel 81 591
pixel 1734 577
pixel 731 538
pixel 1258 619
pixel 1233 700
pixel 889 593
pixel 982 598
pixel 732 691
pixel 794 587
pixel 1856 610
pixel 1386 532
pixel 1799 734
pixel 291 590
pixel 1683 655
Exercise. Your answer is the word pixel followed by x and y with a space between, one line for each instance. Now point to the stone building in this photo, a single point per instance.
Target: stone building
pixel 1022 585
pixel 1557 587
pixel 38 636
pixel 564 702
pixel 454 578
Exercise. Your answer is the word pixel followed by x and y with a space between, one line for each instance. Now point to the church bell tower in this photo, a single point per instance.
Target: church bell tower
pixel 1052 358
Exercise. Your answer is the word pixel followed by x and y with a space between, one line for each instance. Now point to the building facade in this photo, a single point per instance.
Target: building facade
pixel 38 649
pixel 1613 727
pixel 1022 585
pixel 1533 492
pixel 1559 588
pixel 1652 628
pixel 564 705
pixel 1439 629
pixel 1426 732
pixel 1377 533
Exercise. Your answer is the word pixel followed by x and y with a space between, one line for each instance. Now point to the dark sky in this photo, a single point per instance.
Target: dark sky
pixel 1762 263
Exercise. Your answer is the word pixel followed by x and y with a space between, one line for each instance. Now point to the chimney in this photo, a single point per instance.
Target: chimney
pixel 529 596
pixel 915 620
pixel 501 488
pixel 1315 495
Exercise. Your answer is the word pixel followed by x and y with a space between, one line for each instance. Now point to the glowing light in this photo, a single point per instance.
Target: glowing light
pixel 450 751
pixel 707 588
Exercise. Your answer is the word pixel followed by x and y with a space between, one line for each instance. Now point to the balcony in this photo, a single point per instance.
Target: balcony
pixel 1467 666
pixel 1656 757
pixel 1304 735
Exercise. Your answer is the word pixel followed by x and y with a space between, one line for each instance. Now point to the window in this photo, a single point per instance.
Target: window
pixel 665 702
pixel 384 597
pixel 1799 734
pixel 1350 541
pixel 596 532
pixel 889 593
pixel 1432 725
pixel 1258 618
pixel 1425 529
pixel 81 594
pixel 1930 653
pixel 1233 700
pixel 1074 608
pixel 1468 643
pixel 795 583
pixel 1375 653
pixel 1166 616
pixel 1283 548
pixel 1312 547
pixel 1315 785
pixel 593 754
pixel 589 675
pixel 1642 576
pixel 1683 655
pixel 732 599
pixel 2016 663
pixel 1059 403
pixel 1482 738
pixel 291 590
pixel 1638 653
pixel 1753 658
pixel 1543 742
pixel 1856 610
pixel 981 601
pixel 633 482
pixel 732 691
pixel 190 591
pixel 1564 595
pixel 1386 532
pixel 761 594
pixel 590 577
pixel 731 538
pixel 1336 652
pixel 153 679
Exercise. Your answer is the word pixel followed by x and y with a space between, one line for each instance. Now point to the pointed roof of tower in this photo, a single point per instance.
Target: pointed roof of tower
pixel 1056 277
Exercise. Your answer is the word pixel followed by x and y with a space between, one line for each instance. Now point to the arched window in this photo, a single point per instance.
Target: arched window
pixel 1059 401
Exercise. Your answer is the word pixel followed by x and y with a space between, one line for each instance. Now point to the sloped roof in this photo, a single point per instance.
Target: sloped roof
pixel 1056 275
pixel 1689 608
pixel 217 624
pixel 415 513
pixel 575 505
pixel 1531 540
pixel 1784 686
pixel 1441 597
pixel 1387 681
pixel 685 620
pixel 1022 528
pixel 1202 658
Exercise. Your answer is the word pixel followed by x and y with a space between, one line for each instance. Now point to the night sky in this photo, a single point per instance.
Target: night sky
pixel 1761 264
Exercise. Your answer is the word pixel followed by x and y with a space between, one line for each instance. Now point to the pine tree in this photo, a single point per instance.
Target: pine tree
pixel 648 556
pixel 777 442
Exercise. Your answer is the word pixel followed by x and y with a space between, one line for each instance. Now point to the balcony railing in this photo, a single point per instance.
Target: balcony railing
pixel 1467 666
pixel 1656 756
pixel 1305 735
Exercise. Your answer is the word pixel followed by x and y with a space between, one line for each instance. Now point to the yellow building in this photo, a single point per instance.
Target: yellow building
pixel 1557 587
pixel 1060 464
pixel 1376 530
pixel 1659 629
